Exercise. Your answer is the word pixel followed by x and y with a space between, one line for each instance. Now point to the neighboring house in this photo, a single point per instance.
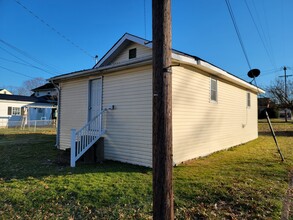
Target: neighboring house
pixel 5 91
pixel 16 110
pixel 48 92
pixel 283 112
pixel 212 110
pixel 266 105
pixel 45 90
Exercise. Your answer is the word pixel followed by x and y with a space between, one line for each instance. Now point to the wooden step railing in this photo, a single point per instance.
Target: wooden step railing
pixel 84 138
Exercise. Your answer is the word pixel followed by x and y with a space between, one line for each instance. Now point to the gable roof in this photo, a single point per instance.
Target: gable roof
pixel 5 91
pixel 119 46
pixel 22 98
pixel 47 86
pixel 178 56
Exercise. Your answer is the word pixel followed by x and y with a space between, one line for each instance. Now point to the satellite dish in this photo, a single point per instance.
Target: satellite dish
pixel 253 73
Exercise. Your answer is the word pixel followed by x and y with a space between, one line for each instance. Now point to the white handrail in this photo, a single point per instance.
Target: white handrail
pixel 85 137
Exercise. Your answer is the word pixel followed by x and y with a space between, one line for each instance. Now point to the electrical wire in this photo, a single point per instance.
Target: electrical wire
pixel 18 73
pixel 25 62
pixel 54 30
pixel 144 11
pixel 237 31
pixel 266 37
pixel 28 65
pixel 14 55
pixel 267 27
pixel 267 72
pixel 259 34
pixel 23 53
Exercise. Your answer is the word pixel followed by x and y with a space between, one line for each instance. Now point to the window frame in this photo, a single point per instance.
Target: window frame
pixel 213 92
pixel 132 53
pixel 248 100
pixel 16 111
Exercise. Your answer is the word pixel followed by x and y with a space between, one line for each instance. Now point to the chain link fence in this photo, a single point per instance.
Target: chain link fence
pixel 28 124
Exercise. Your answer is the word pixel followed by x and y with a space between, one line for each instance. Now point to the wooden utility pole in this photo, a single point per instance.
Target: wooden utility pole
pixel 163 207
pixel 286 96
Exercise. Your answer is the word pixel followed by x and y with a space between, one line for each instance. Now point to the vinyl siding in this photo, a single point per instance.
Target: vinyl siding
pixel 141 51
pixel 4 117
pixel 129 125
pixel 4 104
pixel 73 109
pixel 201 126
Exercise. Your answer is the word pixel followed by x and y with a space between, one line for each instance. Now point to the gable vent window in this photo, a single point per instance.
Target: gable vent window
pixel 132 53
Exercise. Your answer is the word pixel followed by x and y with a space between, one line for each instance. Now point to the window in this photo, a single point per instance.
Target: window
pixel 16 111
pixel 214 90
pixel 132 53
pixel 248 100
pixel 40 110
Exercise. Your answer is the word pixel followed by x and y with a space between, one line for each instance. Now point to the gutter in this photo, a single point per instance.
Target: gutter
pixel 181 58
pixel 227 76
pixel 105 69
pixel 213 70
pixel 57 144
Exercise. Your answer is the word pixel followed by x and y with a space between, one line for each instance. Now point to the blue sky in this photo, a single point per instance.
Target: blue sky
pixel 30 48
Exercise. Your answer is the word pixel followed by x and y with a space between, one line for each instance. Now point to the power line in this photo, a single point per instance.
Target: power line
pixel 18 73
pixel 27 64
pixel 268 72
pixel 267 26
pixel 54 30
pixel 262 40
pixel 23 53
pixel 28 55
pixel 237 31
pixel 14 55
pixel 265 36
pixel 144 12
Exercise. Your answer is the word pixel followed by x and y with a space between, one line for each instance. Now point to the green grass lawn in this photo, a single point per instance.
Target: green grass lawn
pixel 245 182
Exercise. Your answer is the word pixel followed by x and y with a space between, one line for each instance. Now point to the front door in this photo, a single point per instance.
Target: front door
pixel 95 97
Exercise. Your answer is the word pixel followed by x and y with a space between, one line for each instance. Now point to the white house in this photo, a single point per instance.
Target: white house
pixel 5 91
pixel 45 90
pixel 16 110
pixel 212 109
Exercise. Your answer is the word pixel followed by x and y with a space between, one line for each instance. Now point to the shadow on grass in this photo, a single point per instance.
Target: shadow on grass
pixel 34 155
pixel 278 133
pixel 275 121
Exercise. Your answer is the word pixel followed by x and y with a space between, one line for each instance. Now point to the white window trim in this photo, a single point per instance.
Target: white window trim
pixel 16 110
pixel 217 96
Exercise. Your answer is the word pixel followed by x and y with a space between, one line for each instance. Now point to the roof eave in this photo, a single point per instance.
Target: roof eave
pixel 125 38
pixel 105 69
pixel 216 71
pixel 227 76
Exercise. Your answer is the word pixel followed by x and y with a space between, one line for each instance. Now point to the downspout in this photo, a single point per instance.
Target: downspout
pixel 57 144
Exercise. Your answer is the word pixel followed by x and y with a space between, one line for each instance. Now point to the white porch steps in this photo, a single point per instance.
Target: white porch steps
pixel 88 135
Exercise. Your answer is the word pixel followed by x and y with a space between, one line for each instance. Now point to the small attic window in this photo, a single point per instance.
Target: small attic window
pixel 132 53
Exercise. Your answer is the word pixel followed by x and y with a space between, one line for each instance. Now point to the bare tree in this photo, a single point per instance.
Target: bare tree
pixel 28 85
pixel 276 91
